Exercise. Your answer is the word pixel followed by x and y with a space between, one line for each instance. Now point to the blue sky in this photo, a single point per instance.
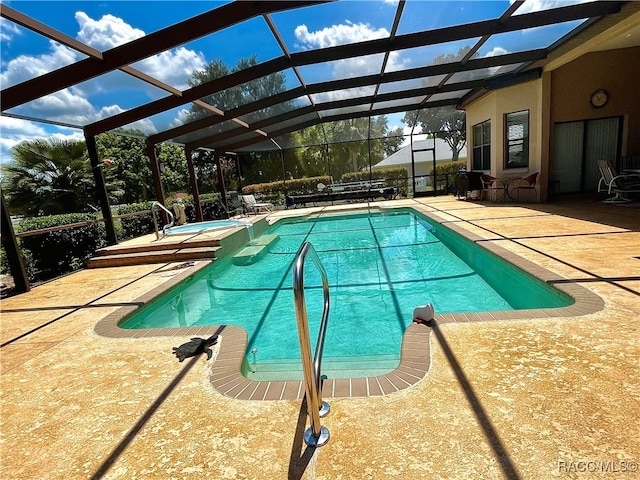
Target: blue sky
pixel 106 24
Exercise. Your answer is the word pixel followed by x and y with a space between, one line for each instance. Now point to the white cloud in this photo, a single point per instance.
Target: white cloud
pixel 173 67
pixel 181 118
pixel 16 130
pixel 25 67
pixel 347 33
pixel 538 5
pixel 8 30
pixel 106 33
pixel 495 51
pixel 338 35
pixel 74 105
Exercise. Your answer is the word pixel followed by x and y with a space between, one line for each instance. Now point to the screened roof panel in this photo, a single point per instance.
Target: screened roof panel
pixel 448 95
pixel 411 84
pixel 29 54
pixel 87 102
pixel 157 14
pixel 344 111
pixel 326 58
pixel 217 129
pixel 334 23
pixel 286 124
pixel 347 68
pixel 333 95
pixel 408 102
pixel 482 73
pixel 430 55
pixel 529 39
pixel 528 7
pixel 418 16
pixel 275 110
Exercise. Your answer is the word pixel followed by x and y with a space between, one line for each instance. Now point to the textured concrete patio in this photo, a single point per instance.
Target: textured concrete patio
pixel 530 399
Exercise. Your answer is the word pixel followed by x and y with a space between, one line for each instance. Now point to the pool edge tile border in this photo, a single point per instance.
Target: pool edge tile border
pixel 415 353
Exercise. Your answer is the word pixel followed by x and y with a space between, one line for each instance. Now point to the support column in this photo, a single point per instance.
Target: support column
pixel 10 244
pixel 101 189
pixel 157 180
pixel 223 189
pixel 193 179
pixel 155 172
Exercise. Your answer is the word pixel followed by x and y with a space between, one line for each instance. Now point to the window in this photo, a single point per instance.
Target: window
pixel 517 139
pixel 482 146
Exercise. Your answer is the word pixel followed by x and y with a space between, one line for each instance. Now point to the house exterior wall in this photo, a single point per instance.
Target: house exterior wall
pixel 494 106
pixel 618 72
pixel 562 95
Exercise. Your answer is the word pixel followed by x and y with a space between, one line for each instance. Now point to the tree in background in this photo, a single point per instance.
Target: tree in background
pixel 258 167
pixel 446 123
pixel 129 167
pixel 47 177
pixel 237 95
pixel 348 146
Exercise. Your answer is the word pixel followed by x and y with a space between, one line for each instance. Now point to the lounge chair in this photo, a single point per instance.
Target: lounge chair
pixel 620 185
pixel 252 206
pixel 527 184
pixel 234 204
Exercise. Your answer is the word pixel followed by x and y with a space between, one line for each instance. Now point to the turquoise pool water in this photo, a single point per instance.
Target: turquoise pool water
pixel 380 267
pixel 203 226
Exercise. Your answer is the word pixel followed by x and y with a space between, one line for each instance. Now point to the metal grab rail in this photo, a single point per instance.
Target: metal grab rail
pixel 316 435
pixel 155 222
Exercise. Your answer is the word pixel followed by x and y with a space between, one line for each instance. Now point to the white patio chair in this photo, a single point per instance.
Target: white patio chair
pixel 252 206
pixel 617 184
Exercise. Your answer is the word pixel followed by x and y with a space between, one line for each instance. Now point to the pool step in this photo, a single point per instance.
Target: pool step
pixel 159 252
pixel 164 244
pixel 256 249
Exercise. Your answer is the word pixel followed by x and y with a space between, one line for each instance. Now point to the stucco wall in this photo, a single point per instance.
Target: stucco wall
pixel 494 106
pixel 618 72
pixel 562 95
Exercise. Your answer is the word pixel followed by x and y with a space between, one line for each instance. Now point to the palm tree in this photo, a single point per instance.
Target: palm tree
pixel 47 177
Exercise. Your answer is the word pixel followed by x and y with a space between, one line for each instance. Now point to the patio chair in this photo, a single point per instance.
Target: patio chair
pixel 620 185
pixel 528 183
pixel 252 206
pixel 490 186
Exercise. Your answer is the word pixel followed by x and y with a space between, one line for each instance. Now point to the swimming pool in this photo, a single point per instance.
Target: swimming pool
pixel 380 267
pixel 206 226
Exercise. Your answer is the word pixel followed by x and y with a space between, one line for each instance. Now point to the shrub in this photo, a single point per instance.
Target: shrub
pixel 61 251
pixel 448 168
pixel 27 261
pixel 135 225
pixel 274 192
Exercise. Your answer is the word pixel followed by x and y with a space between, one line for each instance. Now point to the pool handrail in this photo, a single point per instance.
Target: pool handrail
pixel 316 435
pixel 171 223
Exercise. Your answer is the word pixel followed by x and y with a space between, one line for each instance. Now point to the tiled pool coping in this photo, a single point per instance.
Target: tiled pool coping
pixel 415 356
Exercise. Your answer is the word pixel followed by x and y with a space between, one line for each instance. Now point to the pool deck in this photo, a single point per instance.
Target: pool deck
pixel 550 397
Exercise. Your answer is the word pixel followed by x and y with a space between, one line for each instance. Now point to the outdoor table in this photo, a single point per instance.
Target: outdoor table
pixel 506 182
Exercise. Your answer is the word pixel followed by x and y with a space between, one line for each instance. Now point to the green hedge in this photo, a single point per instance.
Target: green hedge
pixel 274 192
pixel 449 168
pixel 136 225
pixel 394 177
pixel 62 251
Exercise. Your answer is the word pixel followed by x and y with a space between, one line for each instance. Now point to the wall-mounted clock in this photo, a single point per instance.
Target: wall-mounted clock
pixel 599 98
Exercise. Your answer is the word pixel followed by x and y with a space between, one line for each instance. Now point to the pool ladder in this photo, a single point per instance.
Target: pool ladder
pixel 172 220
pixel 316 435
